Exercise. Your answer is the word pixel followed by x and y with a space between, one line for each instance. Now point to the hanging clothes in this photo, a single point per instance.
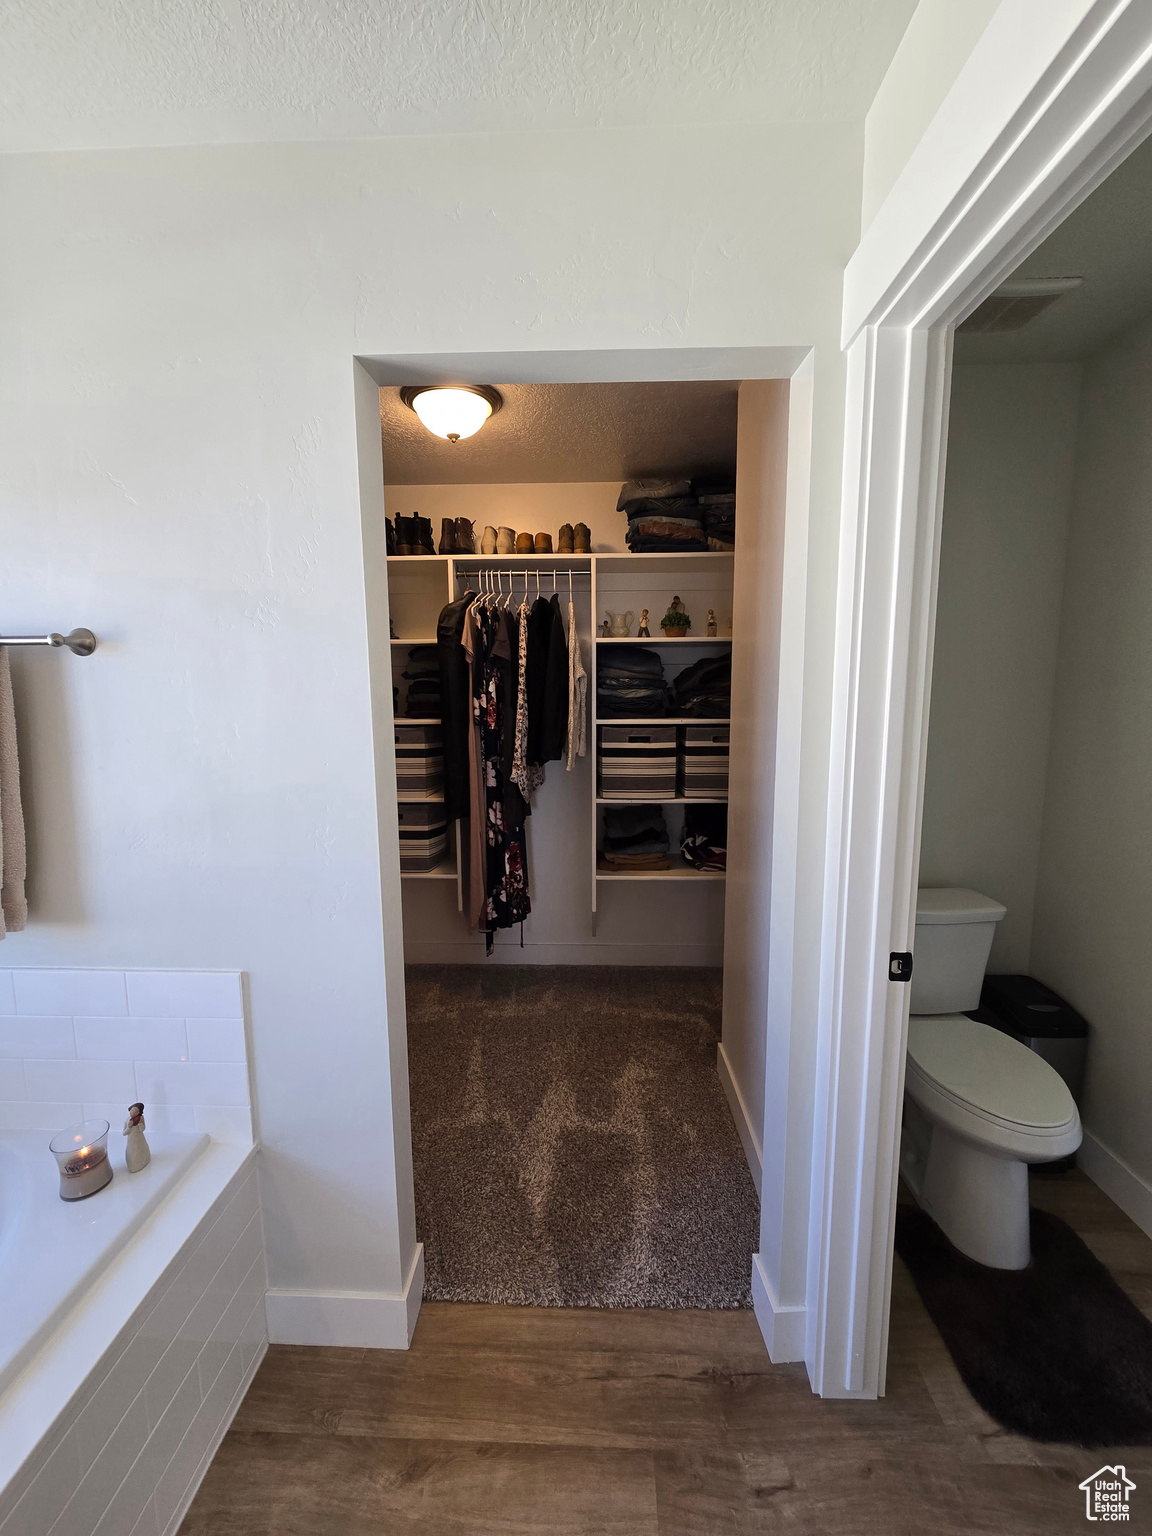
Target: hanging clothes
pixel 577 694
pixel 527 776
pixel 498 880
pixel 456 705
pixel 554 738
pixel 536 671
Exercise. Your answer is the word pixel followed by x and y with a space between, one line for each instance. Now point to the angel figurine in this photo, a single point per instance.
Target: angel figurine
pixel 644 633
pixel 137 1152
pixel 711 627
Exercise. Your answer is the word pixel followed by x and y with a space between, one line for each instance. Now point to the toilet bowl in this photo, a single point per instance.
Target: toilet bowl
pixel 989 1107
pixel 979 1107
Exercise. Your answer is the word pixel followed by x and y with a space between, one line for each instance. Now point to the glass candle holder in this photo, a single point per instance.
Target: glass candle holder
pixel 81 1154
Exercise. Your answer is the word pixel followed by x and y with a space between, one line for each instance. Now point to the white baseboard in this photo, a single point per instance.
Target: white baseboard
pixel 782 1327
pixel 1131 1192
pixel 225 1425
pixel 507 951
pixel 349 1319
pixel 752 1148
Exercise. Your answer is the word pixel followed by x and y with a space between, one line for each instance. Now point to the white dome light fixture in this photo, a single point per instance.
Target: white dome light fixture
pixel 452 411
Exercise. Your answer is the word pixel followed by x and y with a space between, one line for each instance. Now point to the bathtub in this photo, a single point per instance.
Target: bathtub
pixel 130 1325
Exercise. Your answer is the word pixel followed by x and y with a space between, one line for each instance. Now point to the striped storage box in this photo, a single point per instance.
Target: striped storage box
pixel 704 762
pixel 419 759
pixel 638 762
pixel 423 836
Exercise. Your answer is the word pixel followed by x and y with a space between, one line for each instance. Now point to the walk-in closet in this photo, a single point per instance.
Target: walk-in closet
pixel 566 636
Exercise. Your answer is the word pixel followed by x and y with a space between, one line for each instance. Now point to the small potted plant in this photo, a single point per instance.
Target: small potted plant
pixel 675 622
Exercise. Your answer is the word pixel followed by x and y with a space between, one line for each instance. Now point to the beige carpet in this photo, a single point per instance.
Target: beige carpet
pixel 573 1146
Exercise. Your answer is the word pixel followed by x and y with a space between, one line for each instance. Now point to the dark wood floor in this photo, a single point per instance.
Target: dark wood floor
pixel 516 1420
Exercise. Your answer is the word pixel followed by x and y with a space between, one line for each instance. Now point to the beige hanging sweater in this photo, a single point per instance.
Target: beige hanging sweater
pixel 13 864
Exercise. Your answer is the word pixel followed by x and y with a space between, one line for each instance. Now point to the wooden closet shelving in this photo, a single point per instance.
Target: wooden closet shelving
pixel 420 585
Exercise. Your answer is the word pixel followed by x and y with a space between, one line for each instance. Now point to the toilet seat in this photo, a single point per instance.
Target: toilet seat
pixel 990 1089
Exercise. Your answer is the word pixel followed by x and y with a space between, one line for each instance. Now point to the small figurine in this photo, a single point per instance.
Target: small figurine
pixel 137 1152
pixel 710 629
pixel 644 633
pixel 392 635
pixel 676 622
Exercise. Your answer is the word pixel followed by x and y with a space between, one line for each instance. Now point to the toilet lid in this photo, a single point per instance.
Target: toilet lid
pixel 989 1071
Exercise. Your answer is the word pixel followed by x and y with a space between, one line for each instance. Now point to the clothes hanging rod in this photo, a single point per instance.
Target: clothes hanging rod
pixel 81 642
pixel 527 572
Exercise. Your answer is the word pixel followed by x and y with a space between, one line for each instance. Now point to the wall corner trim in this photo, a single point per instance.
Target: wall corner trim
pixel 1119 1181
pixel 349 1319
pixel 783 1327
pixel 752 1148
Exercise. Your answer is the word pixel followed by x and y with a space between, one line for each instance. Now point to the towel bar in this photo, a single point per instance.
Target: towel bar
pixel 81 642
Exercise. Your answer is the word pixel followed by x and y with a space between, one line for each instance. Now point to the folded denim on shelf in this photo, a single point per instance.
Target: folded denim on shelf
pixel 664 527
pixel 653 546
pixel 651 490
pixel 704 676
pixel 717 499
pixel 675 506
pixel 631 659
pixel 423 661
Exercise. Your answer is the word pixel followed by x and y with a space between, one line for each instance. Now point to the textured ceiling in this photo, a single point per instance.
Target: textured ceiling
pixel 551 432
pixel 90 73
pixel 1108 242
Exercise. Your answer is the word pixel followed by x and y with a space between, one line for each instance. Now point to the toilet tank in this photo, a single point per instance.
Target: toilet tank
pixel 954 932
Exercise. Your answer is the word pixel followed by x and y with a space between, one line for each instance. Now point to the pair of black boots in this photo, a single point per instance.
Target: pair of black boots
pixel 411 536
pixel 457 536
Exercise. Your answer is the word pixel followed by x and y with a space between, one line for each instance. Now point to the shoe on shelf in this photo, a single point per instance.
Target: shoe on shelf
pixel 422 529
pixel 390 535
pixel 488 541
pixel 465 537
pixel 543 543
pixel 523 543
pixel 564 539
pixel 405 536
pixel 448 545
pixel 581 539
pixel 505 541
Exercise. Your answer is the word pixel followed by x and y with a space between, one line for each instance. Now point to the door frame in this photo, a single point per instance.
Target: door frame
pixel 1054 96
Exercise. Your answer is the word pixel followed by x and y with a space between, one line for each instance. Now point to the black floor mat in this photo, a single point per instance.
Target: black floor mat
pixel 1056 1351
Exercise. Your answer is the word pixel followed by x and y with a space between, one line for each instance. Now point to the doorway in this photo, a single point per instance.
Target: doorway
pixel 533 1081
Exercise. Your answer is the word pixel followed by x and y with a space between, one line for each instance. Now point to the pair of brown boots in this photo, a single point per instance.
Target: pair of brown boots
pixel 457 536
pixel 527 545
pixel 574 541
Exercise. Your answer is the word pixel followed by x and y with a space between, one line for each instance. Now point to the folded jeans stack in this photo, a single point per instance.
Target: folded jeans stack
pixel 704 840
pixel 704 690
pixel 663 517
pixel 422 674
pixel 718 510
pixel 629 682
pixel 635 838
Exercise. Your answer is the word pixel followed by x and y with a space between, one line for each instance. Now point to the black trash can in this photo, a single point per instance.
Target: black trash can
pixel 1032 1013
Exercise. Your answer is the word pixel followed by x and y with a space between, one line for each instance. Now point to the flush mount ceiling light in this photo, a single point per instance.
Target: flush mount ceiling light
pixel 452 410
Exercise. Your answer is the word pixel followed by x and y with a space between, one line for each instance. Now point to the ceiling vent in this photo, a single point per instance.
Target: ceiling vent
pixel 1016 304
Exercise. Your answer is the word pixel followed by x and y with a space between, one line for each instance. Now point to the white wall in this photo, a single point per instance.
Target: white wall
pixel 1094 893
pixel 1007 497
pixel 934 48
pixel 180 473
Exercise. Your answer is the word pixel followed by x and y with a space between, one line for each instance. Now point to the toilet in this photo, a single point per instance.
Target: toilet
pixel 978 1105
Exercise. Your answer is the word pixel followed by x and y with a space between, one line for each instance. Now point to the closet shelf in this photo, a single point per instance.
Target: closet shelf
pixel 419 797
pixel 652 640
pixel 664 800
pixel 420 640
pixel 444 871
pixel 663 874
pixel 418 720
pixel 663 720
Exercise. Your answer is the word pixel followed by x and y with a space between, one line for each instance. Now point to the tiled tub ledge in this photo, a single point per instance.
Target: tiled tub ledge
pixel 118 1398
pixel 102 1438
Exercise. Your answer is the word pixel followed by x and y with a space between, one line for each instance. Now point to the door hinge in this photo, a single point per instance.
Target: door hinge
pixel 900 966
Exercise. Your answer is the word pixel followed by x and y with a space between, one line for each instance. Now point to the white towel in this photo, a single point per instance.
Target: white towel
pixel 577 694
pixel 13 862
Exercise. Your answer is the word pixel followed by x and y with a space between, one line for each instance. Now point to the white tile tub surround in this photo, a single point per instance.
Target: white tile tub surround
pixel 75 1044
pixel 142 1418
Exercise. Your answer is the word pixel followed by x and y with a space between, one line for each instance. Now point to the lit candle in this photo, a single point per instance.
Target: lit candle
pixel 81 1154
